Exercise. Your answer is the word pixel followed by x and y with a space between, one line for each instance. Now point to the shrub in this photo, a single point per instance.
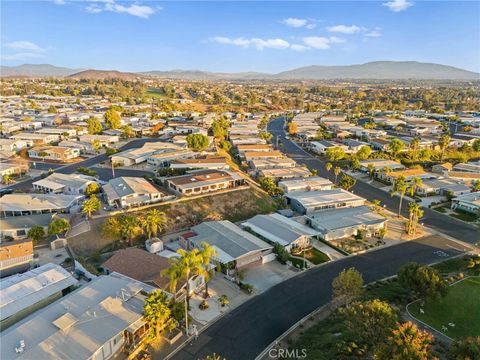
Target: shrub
pixel 223 300
pixel 203 305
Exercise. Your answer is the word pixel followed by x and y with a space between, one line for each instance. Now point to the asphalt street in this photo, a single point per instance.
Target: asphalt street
pixel 104 174
pixel 246 331
pixel 433 219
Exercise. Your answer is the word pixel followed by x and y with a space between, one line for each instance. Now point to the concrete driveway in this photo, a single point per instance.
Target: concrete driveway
pixel 263 277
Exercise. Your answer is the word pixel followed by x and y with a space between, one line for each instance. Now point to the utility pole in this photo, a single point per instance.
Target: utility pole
pixel 186 311
pixel 113 170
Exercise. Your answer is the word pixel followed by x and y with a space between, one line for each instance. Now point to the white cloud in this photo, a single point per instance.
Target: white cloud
pixel 345 29
pixel 142 11
pixel 295 22
pixel 22 50
pixel 317 42
pixel 311 26
pixel 398 5
pixel 59 2
pixel 299 47
pixel 25 46
pixel 373 33
pixel 258 43
pixel 336 40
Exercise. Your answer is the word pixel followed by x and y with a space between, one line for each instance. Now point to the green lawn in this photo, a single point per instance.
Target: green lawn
pixel 461 306
pixel 313 255
pixel 464 216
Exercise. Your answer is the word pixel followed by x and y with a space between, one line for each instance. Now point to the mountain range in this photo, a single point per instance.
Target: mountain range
pixel 381 70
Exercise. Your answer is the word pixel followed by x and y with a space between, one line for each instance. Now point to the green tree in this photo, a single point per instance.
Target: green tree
pixel 197 142
pixel 347 182
pixel 157 313
pixel 355 163
pixel 226 145
pixel 328 166
pixel 220 128
pixel 396 146
pixel 475 185
pixel 7 179
pixel 52 109
pixel 465 349
pixel 153 222
pixel 268 184
pixel 265 135
pixel 476 145
pixel 335 153
pixel 422 280
pixel 90 206
pixel 400 188
pixel 443 142
pixel 112 119
pixel 96 145
pixel 94 126
pixel 364 152
pixel 128 132
pixel 372 321
pixel 406 342
pixel 292 128
pixel 414 146
pixel 92 189
pixel 348 285
pixel 58 226
pixel 36 233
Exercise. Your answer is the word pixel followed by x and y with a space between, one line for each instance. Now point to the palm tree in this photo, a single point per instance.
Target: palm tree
pixel 377 205
pixel 206 254
pixel 415 183
pixel 129 228
pixel 399 188
pixel 443 142
pixel 153 222
pixel 416 213
pixel 337 172
pixel 414 146
pixel 371 170
pixel 91 205
pixel 157 312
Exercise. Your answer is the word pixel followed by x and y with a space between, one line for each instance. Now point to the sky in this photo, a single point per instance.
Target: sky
pixel 235 36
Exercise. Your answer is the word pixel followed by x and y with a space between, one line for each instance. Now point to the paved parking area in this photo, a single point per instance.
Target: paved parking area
pixel 263 277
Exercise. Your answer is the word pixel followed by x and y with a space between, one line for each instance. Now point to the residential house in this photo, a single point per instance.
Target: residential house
pixel 125 192
pixel 12 169
pixel 321 147
pixel 57 153
pixel 236 248
pixel 261 164
pixel 58 183
pixel 442 186
pixel 468 202
pixel 138 155
pixel 472 166
pixel 210 162
pixel 442 168
pixel 391 176
pixel 164 157
pixel 278 229
pixel 23 294
pixel 146 267
pixel 203 181
pixel 258 155
pixel 305 202
pixel 307 184
pixel 17 227
pixel 36 139
pixel 104 140
pixel 15 256
pixel 12 145
pixel 287 173
pixel 334 224
pixel 97 321
pixel 242 149
pixel 18 204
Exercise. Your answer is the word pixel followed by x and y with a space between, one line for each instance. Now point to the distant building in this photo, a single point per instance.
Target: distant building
pixel 57 153
pixel 23 294
pixel 307 184
pixel 96 322
pixel 163 158
pixel 287 173
pixel 124 192
pixel 205 162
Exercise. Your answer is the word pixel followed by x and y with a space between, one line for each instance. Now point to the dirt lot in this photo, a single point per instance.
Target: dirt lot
pixel 234 206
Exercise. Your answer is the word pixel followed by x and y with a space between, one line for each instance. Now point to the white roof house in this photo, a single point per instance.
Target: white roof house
pixel 28 204
pixel 280 229
pixel 73 184
pixel 232 243
pixel 306 202
pixel 87 323
pixel 131 191
pixel 306 184
pixel 467 202
pixel 22 291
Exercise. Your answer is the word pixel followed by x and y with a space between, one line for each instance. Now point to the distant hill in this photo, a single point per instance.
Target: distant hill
pixel 382 70
pixel 401 70
pixel 36 70
pixel 104 74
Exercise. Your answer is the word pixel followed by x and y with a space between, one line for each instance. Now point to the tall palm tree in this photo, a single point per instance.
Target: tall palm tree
pixel 371 170
pixel 443 142
pixel 415 183
pixel 399 188
pixel 416 213
pixel 328 166
pixel 91 205
pixel 414 146
pixel 337 172
pixel 153 222
pixel 206 254
pixel 156 311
